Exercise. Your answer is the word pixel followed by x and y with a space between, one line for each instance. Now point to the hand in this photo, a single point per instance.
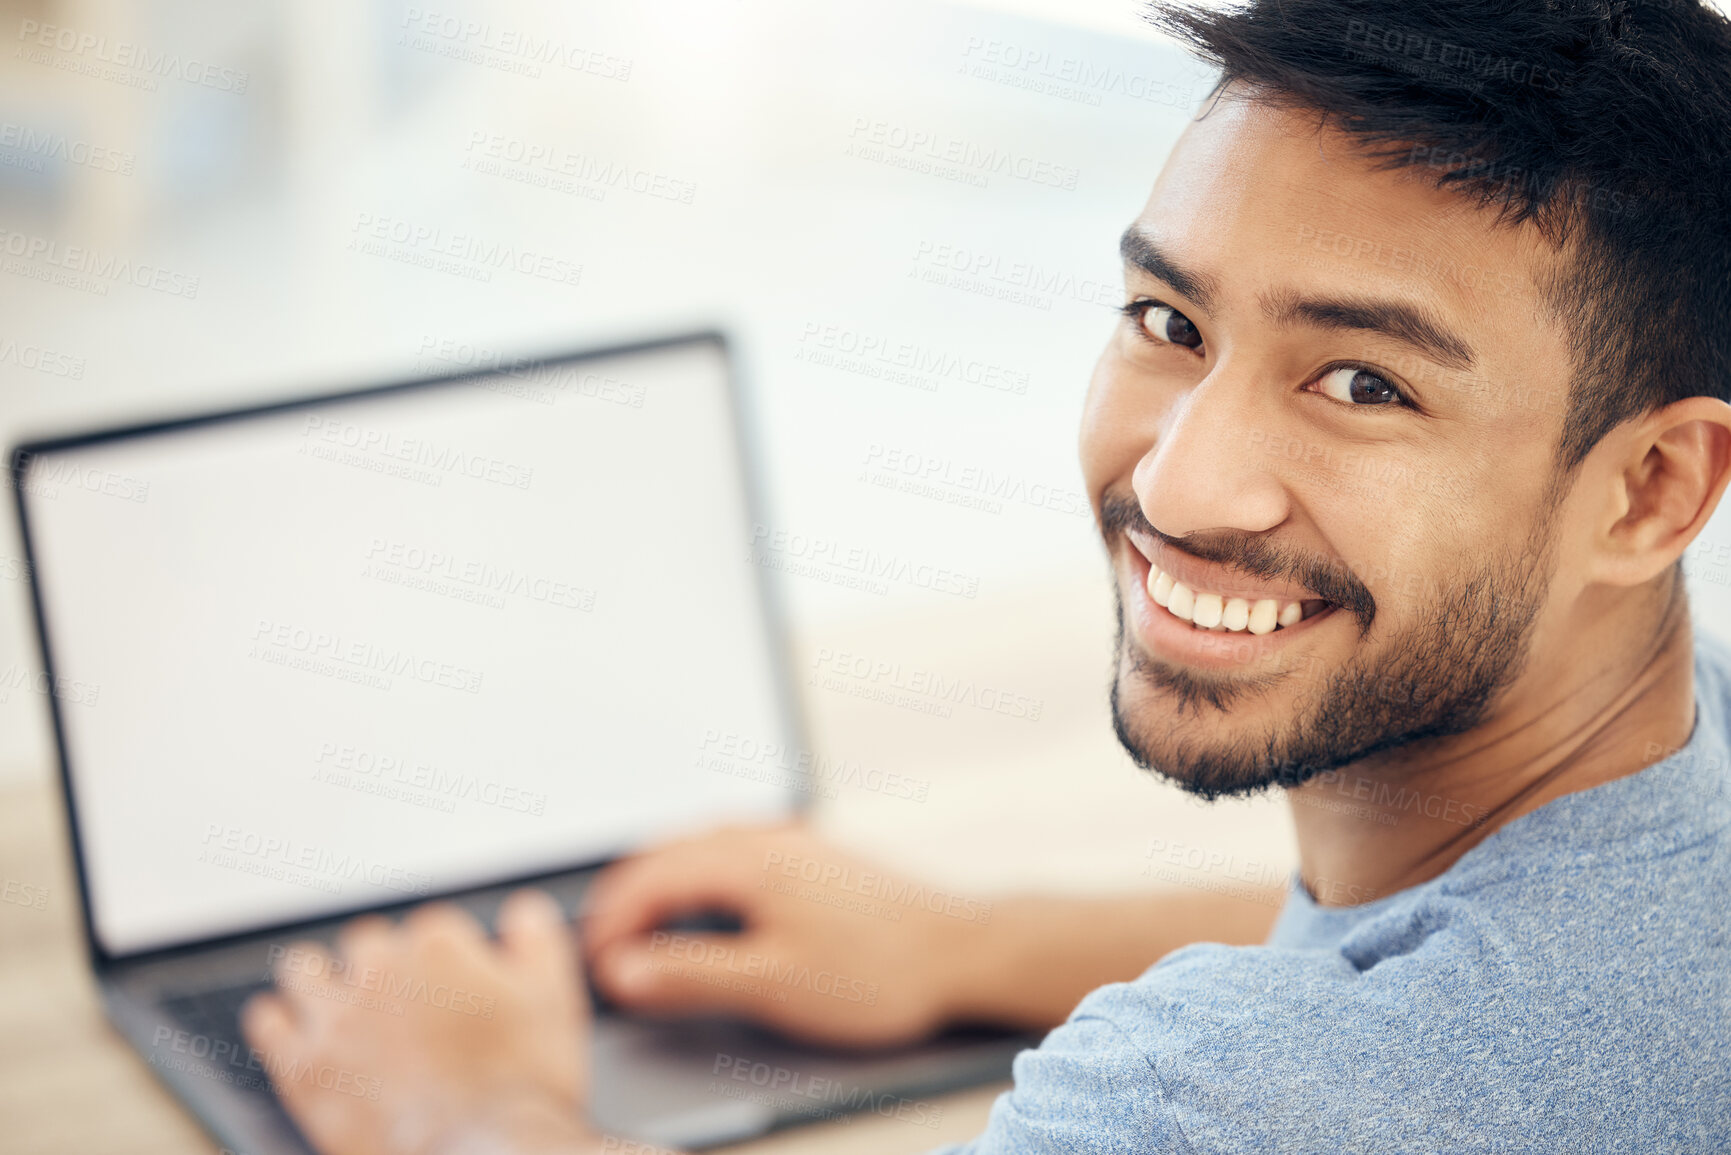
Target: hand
pixel 834 950
pixel 424 1038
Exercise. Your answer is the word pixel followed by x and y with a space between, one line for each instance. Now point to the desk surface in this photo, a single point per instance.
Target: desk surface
pixel 69 1084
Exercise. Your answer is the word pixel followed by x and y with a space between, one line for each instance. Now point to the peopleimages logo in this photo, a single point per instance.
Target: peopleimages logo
pixel 233 1063
pixel 884 888
pixel 874 354
pixel 733 753
pixel 1071 77
pixel 921 148
pixel 407 564
pixel 808 1094
pixel 25 894
pixel 341 980
pixel 461 254
pixel 384 769
pixel 869 677
pixel 1425 55
pixel 322 651
pixel 960 483
pixel 557 167
pixel 1015 282
pixel 41 145
pixel 48 477
pixel 508 49
pixel 41 360
pixel 757 974
pixel 807 555
pixel 88 270
pixel 292 861
pixel 87 52
pixel 429 457
pixel 20 677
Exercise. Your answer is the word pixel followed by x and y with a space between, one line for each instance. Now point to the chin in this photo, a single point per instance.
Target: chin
pixel 1211 735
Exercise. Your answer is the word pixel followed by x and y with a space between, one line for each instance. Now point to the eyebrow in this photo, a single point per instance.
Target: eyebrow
pixel 1138 249
pixel 1397 320
pixel 1405 323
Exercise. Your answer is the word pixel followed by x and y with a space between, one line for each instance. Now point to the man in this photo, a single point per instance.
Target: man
pixel 1417 400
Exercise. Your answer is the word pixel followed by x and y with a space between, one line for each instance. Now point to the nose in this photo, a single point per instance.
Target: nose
pixel 1204 470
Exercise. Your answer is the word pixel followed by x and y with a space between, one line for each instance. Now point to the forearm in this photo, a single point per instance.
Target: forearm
pixel 1040 954
pixel 1025 969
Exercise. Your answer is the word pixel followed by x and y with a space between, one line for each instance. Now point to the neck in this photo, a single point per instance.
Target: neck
pixel 1388 823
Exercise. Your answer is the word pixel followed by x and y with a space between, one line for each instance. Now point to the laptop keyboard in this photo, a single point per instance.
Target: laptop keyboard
pixel 211 1019
pixel 214 1014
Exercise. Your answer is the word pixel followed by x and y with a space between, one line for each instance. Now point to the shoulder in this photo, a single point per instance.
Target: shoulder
pixel 1215 1049
pixel 1088 1087
pixel 1374 1049
pixel 1436 1026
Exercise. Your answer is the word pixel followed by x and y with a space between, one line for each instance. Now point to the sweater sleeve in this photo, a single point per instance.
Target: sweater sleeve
pixel 1086 1089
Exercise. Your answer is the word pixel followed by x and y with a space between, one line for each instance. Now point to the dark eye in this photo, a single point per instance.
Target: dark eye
pixel 1358 387
pixel 1167 325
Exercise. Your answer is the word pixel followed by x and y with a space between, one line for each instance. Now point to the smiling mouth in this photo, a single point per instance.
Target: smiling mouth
pixel 1203 610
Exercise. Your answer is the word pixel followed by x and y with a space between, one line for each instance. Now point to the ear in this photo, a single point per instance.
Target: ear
pixel 1671 467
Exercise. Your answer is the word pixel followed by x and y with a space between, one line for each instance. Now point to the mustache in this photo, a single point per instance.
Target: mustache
pixel 1253 554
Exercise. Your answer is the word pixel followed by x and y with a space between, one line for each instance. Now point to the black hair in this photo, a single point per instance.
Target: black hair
pixel 1606 124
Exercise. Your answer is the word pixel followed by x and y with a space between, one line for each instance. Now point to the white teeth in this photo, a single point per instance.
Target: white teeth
pixel 1236 615
pixel 1183 602
pixel 1160 587
pixel 1215 611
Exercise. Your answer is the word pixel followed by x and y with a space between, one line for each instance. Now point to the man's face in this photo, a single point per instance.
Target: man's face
pixel 1328 419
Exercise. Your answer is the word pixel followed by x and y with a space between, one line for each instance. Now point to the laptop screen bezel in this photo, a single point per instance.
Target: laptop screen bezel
pixel 745 453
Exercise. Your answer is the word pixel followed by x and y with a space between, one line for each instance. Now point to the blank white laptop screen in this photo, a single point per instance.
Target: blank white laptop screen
pixel 344 655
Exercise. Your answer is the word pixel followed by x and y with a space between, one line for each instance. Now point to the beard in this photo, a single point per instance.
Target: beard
pixel 1439 677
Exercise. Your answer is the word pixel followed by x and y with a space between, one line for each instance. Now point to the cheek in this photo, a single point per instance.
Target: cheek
pixel 1404 545
pixel 1119 423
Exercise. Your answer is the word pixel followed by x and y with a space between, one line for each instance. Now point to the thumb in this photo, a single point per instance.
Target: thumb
pixel 535 937
pixel 267 1025
pixel 689 974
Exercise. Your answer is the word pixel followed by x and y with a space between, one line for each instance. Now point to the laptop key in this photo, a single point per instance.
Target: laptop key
pixel 212 1021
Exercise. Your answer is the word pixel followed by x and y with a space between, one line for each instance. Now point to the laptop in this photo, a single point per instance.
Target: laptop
pixel 433 639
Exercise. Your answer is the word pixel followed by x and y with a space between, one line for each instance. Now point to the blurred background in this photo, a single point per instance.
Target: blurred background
pixel 905 215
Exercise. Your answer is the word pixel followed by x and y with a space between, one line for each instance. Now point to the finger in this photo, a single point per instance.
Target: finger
pixel 643 892
pixel 534 935
pixel 725 847
pixel 306 958
pixel 686 974
pixel 267 1024
pixel 448 925
pixel 364 941
pixel 303 974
